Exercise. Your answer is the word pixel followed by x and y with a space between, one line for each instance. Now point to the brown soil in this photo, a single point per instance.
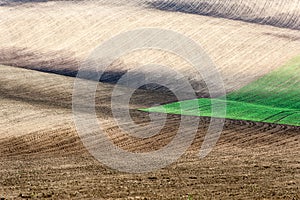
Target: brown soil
pixel 42 156
pixel 58 36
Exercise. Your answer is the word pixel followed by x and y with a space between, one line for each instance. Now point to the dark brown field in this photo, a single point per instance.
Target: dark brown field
pixel 43 157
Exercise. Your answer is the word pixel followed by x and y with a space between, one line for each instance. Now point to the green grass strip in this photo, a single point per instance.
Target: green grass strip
pixel 274 98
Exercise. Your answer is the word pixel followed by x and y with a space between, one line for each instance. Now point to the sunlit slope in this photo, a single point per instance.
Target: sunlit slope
pixel 273 98
pixel 58 36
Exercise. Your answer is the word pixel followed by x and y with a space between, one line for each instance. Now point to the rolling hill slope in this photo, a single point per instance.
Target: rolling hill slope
pixel 273 98
pixel 41 155
pixel 57 36
pixel 280 13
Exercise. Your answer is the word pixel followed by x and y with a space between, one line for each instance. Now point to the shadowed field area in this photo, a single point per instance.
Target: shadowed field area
pixel 58 36
pixel 280 13
pixel 42 156
pixel 42 46
pixel 273 98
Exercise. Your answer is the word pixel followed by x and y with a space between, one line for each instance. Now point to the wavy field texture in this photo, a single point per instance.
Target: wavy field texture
pixel 273 98
pixel 41 155
pixel 281 13
pixel 58 36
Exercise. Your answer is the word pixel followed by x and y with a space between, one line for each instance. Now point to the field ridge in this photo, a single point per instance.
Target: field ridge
pixel 272 99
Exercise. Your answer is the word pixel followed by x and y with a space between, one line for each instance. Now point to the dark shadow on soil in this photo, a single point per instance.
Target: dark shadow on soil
pixel 18 2
pixel 67 64
pixel 230 12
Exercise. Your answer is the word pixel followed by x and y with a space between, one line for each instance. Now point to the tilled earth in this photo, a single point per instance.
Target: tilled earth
pixel 42 155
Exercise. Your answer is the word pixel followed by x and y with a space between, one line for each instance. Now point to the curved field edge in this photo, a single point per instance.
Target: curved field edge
pixel 273 98
pixel 283 13
pixel 58 36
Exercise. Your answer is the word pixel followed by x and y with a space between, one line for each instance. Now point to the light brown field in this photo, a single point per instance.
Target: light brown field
pixel 60 35
pixel 41 155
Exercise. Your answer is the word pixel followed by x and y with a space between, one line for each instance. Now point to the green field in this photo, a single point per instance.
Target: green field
pixel 274 98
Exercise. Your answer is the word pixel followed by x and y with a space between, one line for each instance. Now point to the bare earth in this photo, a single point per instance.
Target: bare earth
pixel 43 157
pixel 41 154
pixel 58 36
